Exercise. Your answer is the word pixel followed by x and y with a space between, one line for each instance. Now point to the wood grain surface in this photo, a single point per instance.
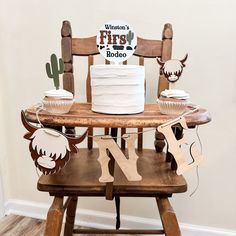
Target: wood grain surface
pixel 145 47
pixel 13 225
pixel 81 115
pixel 76 178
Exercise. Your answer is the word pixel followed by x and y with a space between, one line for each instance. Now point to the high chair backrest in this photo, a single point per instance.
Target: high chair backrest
pixel 87 47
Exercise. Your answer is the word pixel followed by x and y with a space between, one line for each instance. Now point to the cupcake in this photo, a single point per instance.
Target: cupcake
pixel 58 101
pixel 173 101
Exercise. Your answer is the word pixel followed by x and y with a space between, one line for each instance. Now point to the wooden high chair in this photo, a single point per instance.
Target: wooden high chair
pixel 81 174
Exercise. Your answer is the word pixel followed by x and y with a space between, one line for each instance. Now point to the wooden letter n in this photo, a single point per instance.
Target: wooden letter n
pixel 127 165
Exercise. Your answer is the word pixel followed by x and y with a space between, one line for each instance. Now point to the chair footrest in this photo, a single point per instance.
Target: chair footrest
pixel 81 177
pixel 119 231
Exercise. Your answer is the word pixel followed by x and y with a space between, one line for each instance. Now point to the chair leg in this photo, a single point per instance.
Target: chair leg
pixel 54 218
pixel 168 217
pixel 70 217
pixel 159 141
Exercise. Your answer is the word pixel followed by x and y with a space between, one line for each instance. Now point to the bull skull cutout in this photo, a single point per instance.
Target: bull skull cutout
pixel 172 69
pixel 50 149
pixel 175 146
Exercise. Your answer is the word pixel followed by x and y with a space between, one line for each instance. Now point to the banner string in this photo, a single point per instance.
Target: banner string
pixel 195 108
pixel 39 107
pixel 181 116
pixel 197 169
pixel 36 169
pixel 120 137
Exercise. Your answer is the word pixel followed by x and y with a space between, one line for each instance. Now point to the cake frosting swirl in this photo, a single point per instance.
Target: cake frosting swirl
pixel 173 101
pixel 58 93
pixel 175 93
pixel 58 101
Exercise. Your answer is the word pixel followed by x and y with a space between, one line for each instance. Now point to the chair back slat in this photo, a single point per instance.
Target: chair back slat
pixel 140 130
pixel 145 47
pixel 166 52
pixel 88 81
pixel 106 131
pixel 123 131
pixel 84 46
pixel 89 98
pixel 141 63
pixel 148 48
pixel 140 139
pixel 90 139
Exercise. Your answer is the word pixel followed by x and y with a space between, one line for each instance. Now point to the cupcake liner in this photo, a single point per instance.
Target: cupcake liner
pixel 172 108
pixel 58 106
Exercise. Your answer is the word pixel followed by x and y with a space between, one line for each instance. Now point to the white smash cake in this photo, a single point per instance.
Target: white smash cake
pixel 117 89
pixel 58 101
pixel 173 101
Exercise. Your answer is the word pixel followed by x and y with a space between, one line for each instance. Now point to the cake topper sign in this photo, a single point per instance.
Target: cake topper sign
pixel 116 41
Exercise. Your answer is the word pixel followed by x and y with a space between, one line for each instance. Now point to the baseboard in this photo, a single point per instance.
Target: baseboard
pixel 97 219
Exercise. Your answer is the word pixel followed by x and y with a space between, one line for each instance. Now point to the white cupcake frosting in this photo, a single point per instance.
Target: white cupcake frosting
pixel 58 93
pixel 175 93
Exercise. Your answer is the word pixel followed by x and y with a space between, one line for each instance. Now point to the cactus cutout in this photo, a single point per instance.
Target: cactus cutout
pixel 54 71
pixel 130 37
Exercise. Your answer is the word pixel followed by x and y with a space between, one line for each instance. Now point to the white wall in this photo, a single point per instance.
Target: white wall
pixel 30 32
pixel 3 159
pixel 4 170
